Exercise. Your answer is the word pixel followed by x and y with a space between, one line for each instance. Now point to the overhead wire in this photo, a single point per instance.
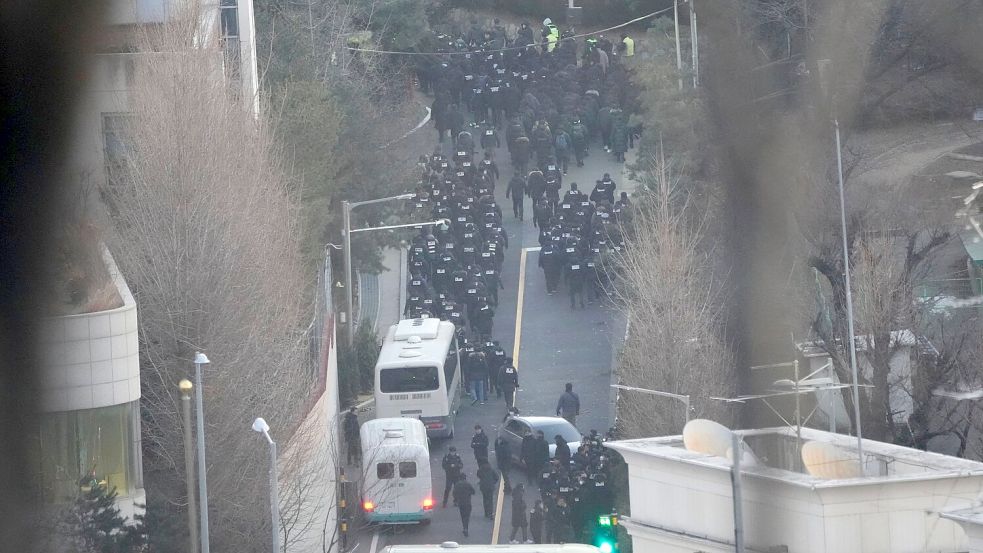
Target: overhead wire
pixel 509 48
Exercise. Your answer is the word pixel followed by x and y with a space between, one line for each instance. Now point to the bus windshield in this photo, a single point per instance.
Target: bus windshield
pixel 408 379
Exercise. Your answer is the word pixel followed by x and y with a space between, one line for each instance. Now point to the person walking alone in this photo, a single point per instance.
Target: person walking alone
pixel 568 405
pixel 519 514
pixel 453 471
pixel 487 479
pixel 479 443
pixel 352 438
pixel 463 490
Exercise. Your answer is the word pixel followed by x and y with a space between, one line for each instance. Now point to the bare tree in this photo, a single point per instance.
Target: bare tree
pixel 207 233
pixel 673 303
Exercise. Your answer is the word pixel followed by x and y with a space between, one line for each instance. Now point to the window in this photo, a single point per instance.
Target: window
pixel 450 368
pixel 516 427
pixel 384 471
pixel 408 379
pixel 103 444
pixel 407 469
pixel 117 145
pixel 229 15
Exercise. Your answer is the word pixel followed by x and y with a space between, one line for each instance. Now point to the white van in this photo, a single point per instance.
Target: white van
pixel 417 375
pixel 450 546
pixel 396 484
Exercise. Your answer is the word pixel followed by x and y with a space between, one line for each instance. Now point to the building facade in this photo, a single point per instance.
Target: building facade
pixel 682 501
pixel 89 425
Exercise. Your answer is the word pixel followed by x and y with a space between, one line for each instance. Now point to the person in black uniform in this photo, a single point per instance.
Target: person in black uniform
pixel 517 190
pixel 463 490
pixel 503 458
pixel 508 382
pixel 575 282
pixel 352 441
pixel 487 479
pixel 479 443
pixel 453 471
pixel 550 261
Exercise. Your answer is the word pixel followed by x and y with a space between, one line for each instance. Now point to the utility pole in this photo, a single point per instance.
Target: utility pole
pixel 346 222
pixel 679 51
pixel 735 480
pixel 849 302
pixel 694 43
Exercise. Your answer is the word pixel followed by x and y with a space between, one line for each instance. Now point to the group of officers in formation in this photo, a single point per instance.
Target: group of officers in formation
pixel 550 109
pixel 573 487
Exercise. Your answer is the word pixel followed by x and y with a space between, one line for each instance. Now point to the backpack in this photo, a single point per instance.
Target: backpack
pixel 561 141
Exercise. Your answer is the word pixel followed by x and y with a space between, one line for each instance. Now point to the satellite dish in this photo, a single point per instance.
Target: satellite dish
pixel 707 436
pixel 713 438
pixel 827 461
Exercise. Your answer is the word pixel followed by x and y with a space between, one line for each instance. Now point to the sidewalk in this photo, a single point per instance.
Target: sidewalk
pixel 382 297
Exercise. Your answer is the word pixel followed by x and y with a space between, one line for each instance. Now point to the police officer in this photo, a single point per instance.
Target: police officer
pixel 479 444
pixel 487 478
pixel 517 190
pixel 508 382
pixel 351 430
pixel 549 260
pixel 576 275
pixel 503 458
pixel 463 491
pixel 453 471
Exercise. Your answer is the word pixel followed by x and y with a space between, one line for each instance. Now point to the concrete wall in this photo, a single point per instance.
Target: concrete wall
pixel 91 360
pixel 309 465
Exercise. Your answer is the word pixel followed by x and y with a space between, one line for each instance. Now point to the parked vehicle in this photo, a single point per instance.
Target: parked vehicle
pixel 417 375
pixel 515 428
pixel 397 487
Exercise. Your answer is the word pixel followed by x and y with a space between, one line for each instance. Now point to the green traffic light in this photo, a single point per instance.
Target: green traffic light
pixel 606 547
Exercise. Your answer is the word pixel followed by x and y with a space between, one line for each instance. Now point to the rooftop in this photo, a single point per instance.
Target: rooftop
pixel 778 458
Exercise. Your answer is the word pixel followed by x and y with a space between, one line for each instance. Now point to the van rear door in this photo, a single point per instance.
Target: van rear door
pixel 384 491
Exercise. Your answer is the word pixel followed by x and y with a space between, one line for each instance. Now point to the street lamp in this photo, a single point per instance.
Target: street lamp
pixel 346 209
pixel 681 397
pixel 186 387
pixel 201 359
pixel 259 425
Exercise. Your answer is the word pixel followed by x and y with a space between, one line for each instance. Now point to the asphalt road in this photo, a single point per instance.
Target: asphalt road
pixel 555 345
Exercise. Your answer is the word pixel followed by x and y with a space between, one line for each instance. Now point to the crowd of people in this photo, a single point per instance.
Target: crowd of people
pixel 552 98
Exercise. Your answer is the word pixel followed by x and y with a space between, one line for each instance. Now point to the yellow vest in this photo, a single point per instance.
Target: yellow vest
pixel 629 46
pixel 550 42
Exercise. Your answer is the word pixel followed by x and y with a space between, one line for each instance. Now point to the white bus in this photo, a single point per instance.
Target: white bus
pixel 418 375
pixel 397 487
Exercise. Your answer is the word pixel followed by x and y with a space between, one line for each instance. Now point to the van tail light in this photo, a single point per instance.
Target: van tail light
pixel 368 506
pixel 427 504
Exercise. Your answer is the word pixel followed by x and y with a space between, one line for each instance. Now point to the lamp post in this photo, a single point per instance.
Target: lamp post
pixel 679 52
pixel 346 208
pixel 259 425
pixel 185 387
pixel 684 398
pixel 849 301
pixel 201 359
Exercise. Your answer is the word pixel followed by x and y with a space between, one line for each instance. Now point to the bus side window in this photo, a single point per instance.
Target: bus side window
pixel 450 368
pixel 384 471
pixel 407 469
